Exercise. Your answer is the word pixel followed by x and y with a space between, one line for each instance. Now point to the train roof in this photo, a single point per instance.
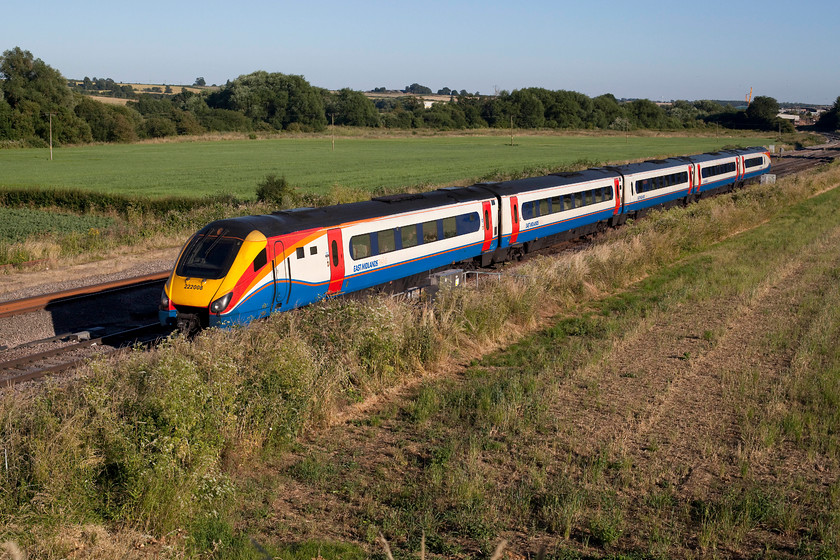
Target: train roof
pixel 506 188
pixel 287 221
pixel 728 153
pixel 651 165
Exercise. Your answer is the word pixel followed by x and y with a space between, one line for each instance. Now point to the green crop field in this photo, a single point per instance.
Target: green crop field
pixel 17 224
pixel 237 166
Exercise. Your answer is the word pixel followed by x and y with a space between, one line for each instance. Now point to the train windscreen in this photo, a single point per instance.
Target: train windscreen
pixel 209 256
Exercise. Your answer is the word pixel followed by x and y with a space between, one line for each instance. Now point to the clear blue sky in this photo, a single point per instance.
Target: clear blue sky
pixel 653 49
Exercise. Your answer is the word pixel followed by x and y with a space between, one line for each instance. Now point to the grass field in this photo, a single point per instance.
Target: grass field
pixel 236 166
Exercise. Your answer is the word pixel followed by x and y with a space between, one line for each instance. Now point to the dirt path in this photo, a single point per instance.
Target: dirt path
pixel 688 362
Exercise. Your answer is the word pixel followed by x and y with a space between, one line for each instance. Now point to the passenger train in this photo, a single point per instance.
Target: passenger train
pixel 240 269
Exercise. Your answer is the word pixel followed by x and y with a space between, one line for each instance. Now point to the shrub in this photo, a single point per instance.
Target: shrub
pixel 276 190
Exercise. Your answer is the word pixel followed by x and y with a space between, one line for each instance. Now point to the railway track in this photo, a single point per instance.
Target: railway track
pixel 32 366
pixel 35 303
pixel 806 158
pixel 92 320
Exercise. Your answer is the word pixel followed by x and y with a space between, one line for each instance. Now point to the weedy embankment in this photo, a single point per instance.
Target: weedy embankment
pixel 570 438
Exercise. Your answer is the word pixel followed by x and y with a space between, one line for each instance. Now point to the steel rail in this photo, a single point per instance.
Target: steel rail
pixel 36 303
pixel 120 338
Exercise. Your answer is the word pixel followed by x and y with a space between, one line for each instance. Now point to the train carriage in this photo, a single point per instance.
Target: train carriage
pixel 658 183
pixel 546 209
pixel 721 171
pixel 239 269
pixel 223 275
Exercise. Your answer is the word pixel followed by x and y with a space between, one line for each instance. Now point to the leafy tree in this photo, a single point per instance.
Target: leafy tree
pixel 417 89
pixel 830 120
pixel 571 109
pixel 159 127
pixel 186 123
pixel 200 82
pixel 5 120
pixel 445 116
pixel 527 109
pixel 644 113
pixel 706 107
pixel 605 111
pixel 471 107
pixel 498 110
pixel 36 94
pixel 276 190
pixel 149 106
pixel 398 118
pixel 352 108
pixel 278 100
pixel 762 112
pixel 26 78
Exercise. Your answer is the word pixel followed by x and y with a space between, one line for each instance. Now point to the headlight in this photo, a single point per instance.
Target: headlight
pixel 164 301
pixel 221 304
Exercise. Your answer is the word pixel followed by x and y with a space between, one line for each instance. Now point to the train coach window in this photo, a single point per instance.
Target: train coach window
pixel 471 223
pixel 430 231
pixel 717 169
pixel 608 193
pixel 753 162
pixel 450 227
pixel 567 202
pixel 300 252
pixel 578 200
pixel 260 260
pixel 360 246
pixel 528 209
pixel 556 204
pixel 313 250
pixel 409 236
pixel 387 241
pixel 544 207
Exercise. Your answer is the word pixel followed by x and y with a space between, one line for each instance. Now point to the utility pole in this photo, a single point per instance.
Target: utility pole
pixel 51 150
pixel 332 129
pixel 511 130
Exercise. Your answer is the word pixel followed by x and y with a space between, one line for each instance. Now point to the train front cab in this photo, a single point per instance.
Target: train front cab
pixel 220 279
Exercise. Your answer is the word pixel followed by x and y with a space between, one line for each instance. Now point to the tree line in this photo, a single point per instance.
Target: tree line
pixel 32 92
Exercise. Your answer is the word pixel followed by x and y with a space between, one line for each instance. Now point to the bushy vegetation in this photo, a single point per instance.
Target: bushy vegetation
pixel 84 201
pixel 830 120
pixel 271 102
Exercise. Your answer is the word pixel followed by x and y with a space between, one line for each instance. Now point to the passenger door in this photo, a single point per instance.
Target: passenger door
pixel 514 219
pixel 488 226
pixel 618 202
pixel 336 255
pixel 281 276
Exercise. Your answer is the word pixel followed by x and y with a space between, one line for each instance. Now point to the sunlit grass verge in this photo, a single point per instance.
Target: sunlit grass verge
pixel 156 440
